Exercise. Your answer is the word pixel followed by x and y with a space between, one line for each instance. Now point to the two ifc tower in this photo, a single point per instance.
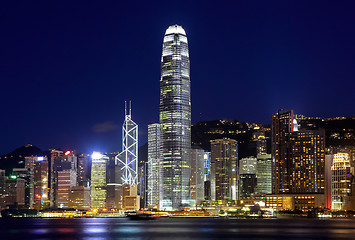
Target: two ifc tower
pixel 171 160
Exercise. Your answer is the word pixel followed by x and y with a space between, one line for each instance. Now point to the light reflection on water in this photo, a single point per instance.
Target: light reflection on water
pixel 170 228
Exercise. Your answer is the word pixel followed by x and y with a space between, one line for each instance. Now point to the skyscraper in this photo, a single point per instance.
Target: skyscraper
pixel 281 128
pixel 98 180
pixel 307 161
pixel 224 169
pixel 153 164
pixel 40 183
pixel 342 172
pixel 197 175
pixel 128 158
pixel 175 119
pixel 299 156
pixel 264 174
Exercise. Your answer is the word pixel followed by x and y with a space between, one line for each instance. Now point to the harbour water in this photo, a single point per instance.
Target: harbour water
pixel 176 228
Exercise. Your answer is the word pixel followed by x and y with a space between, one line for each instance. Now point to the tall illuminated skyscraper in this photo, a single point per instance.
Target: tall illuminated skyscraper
pixel 154 156
pixel 175 119
pixel 128 158
pixel 98 180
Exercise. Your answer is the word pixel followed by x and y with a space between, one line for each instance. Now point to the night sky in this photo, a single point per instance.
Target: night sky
pixel 66 68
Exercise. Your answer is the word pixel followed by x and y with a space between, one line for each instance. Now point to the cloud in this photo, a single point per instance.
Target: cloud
pixel 104 127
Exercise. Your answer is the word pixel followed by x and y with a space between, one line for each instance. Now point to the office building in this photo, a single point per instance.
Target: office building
pixel 128 158
pixel 83 171
pixel 306 173
pixel 264 174
pixel 281 128
pixel 154 154
pixel 27 176
pixel 98 180
pixel 197 175
pixel 79 197
pixel 342 174
pixel 114 185
pixel 224 169
pixel 175 119
pixel 66 180
pixel 247 177
pixel 40 184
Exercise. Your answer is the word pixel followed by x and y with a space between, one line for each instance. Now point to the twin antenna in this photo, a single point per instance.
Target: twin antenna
pixel 129 108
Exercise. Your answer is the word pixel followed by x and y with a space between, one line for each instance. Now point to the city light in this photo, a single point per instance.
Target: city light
pixel 96 155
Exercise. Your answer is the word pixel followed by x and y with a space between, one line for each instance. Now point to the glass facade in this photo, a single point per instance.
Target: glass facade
pixel 153 164
pixel 224 169
pixel 175 119
pixel 98 180
pixel 128 158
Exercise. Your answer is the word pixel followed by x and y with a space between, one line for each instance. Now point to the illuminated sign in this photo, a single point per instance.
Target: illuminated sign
pixel 13 177
pixel 67 153
pixel 40 158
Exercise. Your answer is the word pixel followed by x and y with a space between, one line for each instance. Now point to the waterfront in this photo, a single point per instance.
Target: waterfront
pixel 176 228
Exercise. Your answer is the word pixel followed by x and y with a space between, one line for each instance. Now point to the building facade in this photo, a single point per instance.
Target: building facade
pixel 98 180
pixel 175 119
pixel 128 158
pixel 40 184
pixel 66 180
pixel 154 155
pixel 264 174
pixel 307 161
pixel 224 169
pixel 281 128
pixel 342 174
pixel 197 175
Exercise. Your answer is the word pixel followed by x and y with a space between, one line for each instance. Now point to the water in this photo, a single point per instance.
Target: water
pixel 176 228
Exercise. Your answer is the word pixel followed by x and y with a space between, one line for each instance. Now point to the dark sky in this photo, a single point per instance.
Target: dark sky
pixel 67 67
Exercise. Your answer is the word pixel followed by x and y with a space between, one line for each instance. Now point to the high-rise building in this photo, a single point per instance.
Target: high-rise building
pixel 26 175
pixel 98 180
pixel 114 184
pixel 83 171
pixel 40 183
pixel 299 156
pixel 175 119
pixel 15 191
pixel 128 158
pixel 247 177
pixel 281 128
pixel 342 174
pixel 54 156
pixel 306 161
pixel 154 155
pixel 264 174
pixel 66 180
pixel 197 175
pixel 224 169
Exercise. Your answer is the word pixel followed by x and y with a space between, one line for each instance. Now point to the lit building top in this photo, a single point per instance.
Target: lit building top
pixel 175 29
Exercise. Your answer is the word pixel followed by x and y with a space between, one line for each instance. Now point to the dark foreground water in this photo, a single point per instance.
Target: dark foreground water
pixel 176 228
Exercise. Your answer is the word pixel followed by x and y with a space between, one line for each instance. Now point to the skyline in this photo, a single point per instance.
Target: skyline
pixel 65 66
